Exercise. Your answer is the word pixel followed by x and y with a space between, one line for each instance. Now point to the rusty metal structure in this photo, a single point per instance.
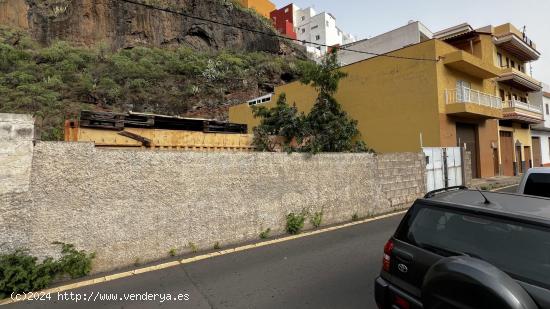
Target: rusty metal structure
pixel 150 131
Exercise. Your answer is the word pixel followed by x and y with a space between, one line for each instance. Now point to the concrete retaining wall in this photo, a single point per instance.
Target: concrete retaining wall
pixel 130 206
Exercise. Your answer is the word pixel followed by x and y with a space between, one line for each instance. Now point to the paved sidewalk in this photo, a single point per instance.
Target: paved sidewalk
pixel 494 182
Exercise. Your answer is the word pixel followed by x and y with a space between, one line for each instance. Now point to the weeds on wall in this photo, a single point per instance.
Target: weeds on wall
pixel 265 234
pixel 193 247
pixel 20 272
pixel 317 219
pixel 295 222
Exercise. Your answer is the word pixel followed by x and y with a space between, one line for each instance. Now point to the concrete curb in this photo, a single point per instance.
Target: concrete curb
pixel 138 271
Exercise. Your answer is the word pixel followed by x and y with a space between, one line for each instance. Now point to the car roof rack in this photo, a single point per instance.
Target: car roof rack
pixel 435 192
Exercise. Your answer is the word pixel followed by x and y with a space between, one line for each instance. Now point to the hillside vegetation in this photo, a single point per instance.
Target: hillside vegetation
pixel 58 81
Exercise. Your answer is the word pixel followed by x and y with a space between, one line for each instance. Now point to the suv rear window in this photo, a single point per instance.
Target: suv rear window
pixel 538 185
pixel 521 250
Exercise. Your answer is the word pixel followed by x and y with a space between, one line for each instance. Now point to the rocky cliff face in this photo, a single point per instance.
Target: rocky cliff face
pixel 13 13
pixel 124 25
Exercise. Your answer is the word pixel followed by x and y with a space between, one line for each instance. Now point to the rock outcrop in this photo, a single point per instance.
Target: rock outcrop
pixel 124 25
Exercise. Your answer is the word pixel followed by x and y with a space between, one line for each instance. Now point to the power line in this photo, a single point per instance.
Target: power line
pixel 167 10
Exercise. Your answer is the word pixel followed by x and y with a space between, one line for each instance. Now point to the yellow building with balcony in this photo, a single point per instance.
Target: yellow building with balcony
pixel 448 98
pixel 263 7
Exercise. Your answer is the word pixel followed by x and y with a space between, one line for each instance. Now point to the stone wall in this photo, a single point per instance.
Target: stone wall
pixel 16 138
pixel 137 205
pixel 16 148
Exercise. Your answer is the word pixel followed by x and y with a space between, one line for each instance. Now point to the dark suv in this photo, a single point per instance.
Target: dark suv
pixel 459 248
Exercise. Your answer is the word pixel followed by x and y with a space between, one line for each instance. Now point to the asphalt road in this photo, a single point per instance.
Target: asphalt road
pixel 329 270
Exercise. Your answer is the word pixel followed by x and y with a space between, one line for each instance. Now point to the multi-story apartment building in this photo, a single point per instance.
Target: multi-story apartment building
pixel 308 25
pixel 412 33
pixel 442 92
pixel 263 7
pixel 284 20
pixel 541 132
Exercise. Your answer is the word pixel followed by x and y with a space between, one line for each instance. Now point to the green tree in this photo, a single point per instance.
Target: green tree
pixel 282 120
pixel 327 128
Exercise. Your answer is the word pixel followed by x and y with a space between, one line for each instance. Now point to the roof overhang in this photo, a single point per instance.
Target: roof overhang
pixel 517 47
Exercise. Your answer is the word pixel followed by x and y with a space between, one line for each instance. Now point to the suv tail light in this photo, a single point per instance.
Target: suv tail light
pixel 388 248
pixel 401 303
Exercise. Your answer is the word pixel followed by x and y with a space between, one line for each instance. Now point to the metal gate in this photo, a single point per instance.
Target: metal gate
pixel 443 167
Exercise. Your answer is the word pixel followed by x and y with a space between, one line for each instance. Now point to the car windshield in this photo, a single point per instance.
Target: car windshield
pixel 538 184
pixel 521 250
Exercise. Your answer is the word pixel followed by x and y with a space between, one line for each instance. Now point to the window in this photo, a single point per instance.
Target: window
pixel 449 232
pixel 286 10
pixel 317 37
pixel 499 55
pixel 314 27
pixel 304 30
pixel 303 18
pixel 538 184
pixel 547 110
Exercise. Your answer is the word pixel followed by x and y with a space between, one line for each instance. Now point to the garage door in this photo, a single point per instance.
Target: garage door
pixel 466 135
pixel 507 153
pixel 537 152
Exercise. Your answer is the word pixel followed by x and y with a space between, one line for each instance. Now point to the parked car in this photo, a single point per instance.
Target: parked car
pixel 536 182
pixel 460 248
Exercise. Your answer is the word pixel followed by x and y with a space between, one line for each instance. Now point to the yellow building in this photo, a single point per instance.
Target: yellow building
pixel 449 98
pixel 263 7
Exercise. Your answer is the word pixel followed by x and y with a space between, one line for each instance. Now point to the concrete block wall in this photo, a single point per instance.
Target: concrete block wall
pixel 137 205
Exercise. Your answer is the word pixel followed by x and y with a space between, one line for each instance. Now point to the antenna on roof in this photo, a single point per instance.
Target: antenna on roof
pixel 486 202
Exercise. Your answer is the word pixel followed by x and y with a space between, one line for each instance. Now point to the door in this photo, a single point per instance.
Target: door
pixel 466 134
pixel 537 152
pixel 519 159
pixel 463 90
pixel 507 153
pixel 495 162
pixel 527 156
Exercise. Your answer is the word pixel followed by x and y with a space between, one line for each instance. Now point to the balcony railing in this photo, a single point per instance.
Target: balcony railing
pixel 513 103
pixel 467 95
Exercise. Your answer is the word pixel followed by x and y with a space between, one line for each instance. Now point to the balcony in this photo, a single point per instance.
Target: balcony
pixel 510 39
pixel 469 103
pixel 519 80
pixel 522 112
pixel 467 63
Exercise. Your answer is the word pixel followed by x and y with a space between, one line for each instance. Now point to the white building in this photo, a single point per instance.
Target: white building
pixel 413 33
pixel 541 132
pixel 319 28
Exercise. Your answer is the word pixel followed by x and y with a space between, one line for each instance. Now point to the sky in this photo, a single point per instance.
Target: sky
pixel 366 18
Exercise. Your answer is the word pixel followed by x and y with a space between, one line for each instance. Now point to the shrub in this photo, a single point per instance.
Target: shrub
pixel 21 272
pixel 172 252
pixel 295 222
pixel 265 234
pixel 317 219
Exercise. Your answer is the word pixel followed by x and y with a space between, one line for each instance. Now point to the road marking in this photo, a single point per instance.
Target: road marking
pixel 138 271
